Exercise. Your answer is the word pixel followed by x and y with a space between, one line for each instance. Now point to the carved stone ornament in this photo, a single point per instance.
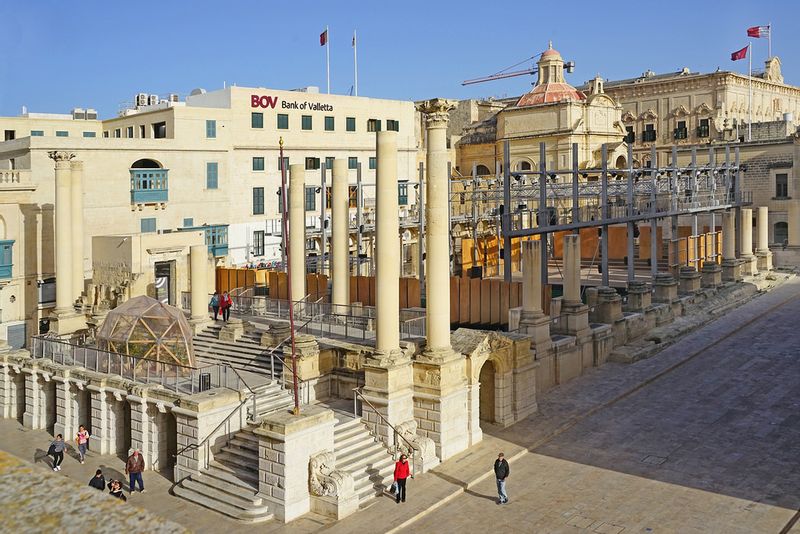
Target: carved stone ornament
pixel 436 111
pixel 680 111
pixel 649 115
pixel 324 480
pixel 703 109
pixel 60 155
pixel 422 447
pixel 628 117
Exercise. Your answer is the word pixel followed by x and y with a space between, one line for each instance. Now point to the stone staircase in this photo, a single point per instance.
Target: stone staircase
pixel 358 452
pixel 246 353
pixel 270 397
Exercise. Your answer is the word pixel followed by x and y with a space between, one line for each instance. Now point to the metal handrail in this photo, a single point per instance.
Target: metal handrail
pixel 357 393
pixel 206 440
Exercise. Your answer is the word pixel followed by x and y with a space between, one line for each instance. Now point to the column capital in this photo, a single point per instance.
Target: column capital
pixel 76 164
pixel 437 112
pixel 61 156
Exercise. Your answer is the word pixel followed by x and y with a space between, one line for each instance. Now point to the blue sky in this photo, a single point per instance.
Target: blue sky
pixel 60 54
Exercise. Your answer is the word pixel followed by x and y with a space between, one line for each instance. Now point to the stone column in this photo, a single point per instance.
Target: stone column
pixel 387 280
pixel 63 224
pixel 77 229
pixel 66 408
pixel 572 269
pixel 296 240
pixel 748 258
pixel 794 223
pixel 198 257
pixel 437 270
pixel 533 320
pixel 763 254
pixel 340 238
pixel 731 267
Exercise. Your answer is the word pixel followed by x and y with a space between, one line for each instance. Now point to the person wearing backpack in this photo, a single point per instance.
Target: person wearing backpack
pixel 214 304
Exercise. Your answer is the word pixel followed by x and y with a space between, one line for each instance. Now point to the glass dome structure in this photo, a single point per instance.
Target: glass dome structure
pixel 145 328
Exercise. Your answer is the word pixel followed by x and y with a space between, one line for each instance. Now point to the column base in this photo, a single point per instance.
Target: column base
pixel 574 319
pixel 764 260
pixel 731 270
pixel 712 275
pixel 67 322
pixel 537 326
pixel 749 265
pixel 198 324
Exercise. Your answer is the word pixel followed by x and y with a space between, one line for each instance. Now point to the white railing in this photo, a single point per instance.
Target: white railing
pixel 15 176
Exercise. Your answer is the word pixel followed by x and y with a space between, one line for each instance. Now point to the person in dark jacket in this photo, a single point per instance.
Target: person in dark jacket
pixel 115 490
pixel 98 481
pixel 133 468
pixel 401 472
pixel 501 472
pixel 214 304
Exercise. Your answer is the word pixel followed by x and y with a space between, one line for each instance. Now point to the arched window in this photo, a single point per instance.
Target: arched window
pixel 524 165
pixel 483 170
pixel 146 164
pixel 621 163
pixel 780 232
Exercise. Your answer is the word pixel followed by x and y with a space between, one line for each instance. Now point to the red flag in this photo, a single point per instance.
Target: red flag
pixel 323 38
pixel 758 31
pixel 739 54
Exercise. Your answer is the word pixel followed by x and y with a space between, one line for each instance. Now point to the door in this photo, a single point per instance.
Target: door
pixel 163 285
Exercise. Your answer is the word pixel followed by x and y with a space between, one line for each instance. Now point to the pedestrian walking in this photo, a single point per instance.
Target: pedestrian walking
pixel 501 472
pixel 115 490
pixel 82 441
pixel 98 481
pixel 225 304
pixel 133 468
pixel 56 450
pixel 214 304
pixel 401 472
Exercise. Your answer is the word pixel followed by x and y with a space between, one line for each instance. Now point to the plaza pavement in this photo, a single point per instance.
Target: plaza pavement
pixel 703 437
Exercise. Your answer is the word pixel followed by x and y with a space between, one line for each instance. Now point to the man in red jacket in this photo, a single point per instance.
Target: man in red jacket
pixel 401 473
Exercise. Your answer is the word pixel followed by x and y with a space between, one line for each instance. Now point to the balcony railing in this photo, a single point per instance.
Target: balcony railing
pixel 6 258
pixel 149 186
pixel 216 237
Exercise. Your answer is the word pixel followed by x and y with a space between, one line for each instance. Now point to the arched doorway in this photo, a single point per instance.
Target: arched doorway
pixel 483 170
pixel 486 381
pixel 524 165
pixel 621 163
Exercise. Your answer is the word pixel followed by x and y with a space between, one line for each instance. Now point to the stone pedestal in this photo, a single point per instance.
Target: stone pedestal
pixel 232 330
pixel 286 445
pixel 277 334
pixel 731 270
pixel 665 288
pixel 639 297
pixel 689 280
pixel 308 372
pixel 67 322
pixel 712 275
pixel 537 327
pixel 608 308
pixel 389 387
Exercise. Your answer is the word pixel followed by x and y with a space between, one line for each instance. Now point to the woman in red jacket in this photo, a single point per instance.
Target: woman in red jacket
pixel 401 473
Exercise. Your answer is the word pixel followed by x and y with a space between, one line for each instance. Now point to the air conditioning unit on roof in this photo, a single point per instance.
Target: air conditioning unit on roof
pixel 141 99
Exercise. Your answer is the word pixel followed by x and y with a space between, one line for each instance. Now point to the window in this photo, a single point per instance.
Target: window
pixel 350 124
pixel 329 124
pixel 285 163
pixel 329 163
pixel 258 201
pixel 373 163
pixel 258 163
pixel 630 135
pixel 256 120
pixel 780 233
pixel 283 121
pixel 129 132
pixel 353 196
pixel 392 125
pixel 118 133
pixel 524 166
pixel 649 133
pixel 782 185
pixel 258 243
pixel 373 125
pixel 37 133
pixel 148 225
pixel 10 135
pixel 89 134
pixel 159 130
pixel 305 122
pixel 402 193
pixel 703 130
pixel 142 130
pixel 6 258
pixel 188 222
pixel 680 130
pixel 312 164
pixel 211 129
pixel 212 175
pixel 352 162
pixel 311 198
pixel 62 133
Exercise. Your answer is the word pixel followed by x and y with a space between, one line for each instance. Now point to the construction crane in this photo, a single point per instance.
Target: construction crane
pixel 569 66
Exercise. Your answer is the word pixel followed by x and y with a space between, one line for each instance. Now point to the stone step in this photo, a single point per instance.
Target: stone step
pixel 211 487
pixel 271 404
pixel 238 461
pixel 344 426
pixel 377 475
pixel 245 453
pixel 247 434
pixel 355 442
pixel 253 515
pixel 247 479
pixel 244 342
pixel 361 457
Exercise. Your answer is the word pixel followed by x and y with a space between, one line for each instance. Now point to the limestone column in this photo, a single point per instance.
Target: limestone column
pixel 794 223
pixel 731 267
pixel 63 223
pixel 387 280
pixel 76 168
pixel 749 260
pixel 296 239
pixel 763 254
pixel 572 269
pixel 533 320
pixel 437 232
pixel 340 238
pixel 198 257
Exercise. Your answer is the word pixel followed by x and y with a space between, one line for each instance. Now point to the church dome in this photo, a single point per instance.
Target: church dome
pixel 551 87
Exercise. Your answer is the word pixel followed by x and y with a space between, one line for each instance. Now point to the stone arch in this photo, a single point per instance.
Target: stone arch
pixel 487 378
pixel 524 164
pixel 3 228
pixel 621 162
pixel 483 170
pixel 146 163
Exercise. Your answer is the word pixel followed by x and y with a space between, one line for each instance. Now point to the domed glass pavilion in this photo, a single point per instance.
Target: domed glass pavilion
pixel 146 328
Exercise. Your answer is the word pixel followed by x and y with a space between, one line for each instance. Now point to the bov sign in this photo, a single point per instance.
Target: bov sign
pixel 259 101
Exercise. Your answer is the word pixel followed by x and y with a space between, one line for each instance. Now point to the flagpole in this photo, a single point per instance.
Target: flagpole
pixel 328 57
pixel 769 39
pixel 750 92
pixel 355 63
